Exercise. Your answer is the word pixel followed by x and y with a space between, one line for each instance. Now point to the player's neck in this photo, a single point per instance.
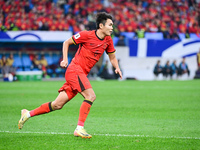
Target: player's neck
pixel 100 34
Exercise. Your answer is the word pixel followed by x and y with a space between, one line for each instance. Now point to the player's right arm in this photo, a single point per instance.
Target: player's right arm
pixel 65 49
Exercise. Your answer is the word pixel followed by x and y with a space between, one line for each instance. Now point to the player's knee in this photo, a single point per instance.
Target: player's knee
pixel 91 97
pixel 57 106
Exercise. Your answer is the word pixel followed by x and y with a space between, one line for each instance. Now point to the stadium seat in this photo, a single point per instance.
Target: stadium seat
pixel 115 40
pixel 17 62
pixel 154 36
pixel 36 69
pixel 7 55
pixel 55 58
pixel 60 72
pixel 27 64
pixel 49 59
pixel 49 71
pixel 69 58
pixel 27 69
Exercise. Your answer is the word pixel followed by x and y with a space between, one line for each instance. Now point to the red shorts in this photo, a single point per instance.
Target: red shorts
pixel 76 81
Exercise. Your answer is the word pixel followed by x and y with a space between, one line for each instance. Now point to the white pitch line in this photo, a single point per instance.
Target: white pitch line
pixel 119 135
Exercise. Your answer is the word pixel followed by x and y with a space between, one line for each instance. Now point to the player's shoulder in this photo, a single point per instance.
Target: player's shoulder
pixel 84 33
pixel 91 32
pixel 108 39
pixel 81 33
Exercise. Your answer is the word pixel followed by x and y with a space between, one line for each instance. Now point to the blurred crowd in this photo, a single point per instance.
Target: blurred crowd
pixel 171 16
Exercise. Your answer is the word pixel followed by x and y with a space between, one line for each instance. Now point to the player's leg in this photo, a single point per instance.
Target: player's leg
pixel 90 97
pixel 77 79
pixel 59 102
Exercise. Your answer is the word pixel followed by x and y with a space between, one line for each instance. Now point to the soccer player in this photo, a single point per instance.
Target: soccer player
pixel 92 45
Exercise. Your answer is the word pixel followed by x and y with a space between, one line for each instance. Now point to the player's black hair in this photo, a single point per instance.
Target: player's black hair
pixel 101 18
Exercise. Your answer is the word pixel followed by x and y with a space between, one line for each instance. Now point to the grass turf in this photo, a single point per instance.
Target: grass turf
pixel 126 115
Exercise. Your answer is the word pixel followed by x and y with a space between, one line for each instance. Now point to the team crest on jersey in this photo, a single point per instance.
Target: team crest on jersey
pixel 77 36
pixel 96 53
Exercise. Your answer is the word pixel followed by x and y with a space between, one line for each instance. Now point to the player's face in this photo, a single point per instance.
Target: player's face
pixel 108 28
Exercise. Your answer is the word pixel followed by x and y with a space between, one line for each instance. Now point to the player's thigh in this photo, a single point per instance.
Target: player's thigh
pixel 60 101
pixel 77 79
pixel 89 94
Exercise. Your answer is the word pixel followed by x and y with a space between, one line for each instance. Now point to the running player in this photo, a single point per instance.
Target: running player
pixel 92 45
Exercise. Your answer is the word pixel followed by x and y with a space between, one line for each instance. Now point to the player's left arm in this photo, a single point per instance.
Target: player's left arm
pixel 115 64
pixel 66 45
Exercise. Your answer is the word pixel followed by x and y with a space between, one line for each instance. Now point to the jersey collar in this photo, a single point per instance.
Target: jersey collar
pixel 97 36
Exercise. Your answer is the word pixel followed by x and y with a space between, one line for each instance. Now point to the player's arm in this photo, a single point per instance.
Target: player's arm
pixel 65 49
pixel 115 64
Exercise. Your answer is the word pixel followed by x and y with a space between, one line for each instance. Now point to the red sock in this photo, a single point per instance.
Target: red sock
pixel 84 111
pixel 43 109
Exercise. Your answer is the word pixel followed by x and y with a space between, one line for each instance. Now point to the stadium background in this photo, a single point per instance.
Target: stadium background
pixel 40 27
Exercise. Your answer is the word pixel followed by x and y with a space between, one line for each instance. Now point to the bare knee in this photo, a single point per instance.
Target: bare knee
pixel 60 101
pixel 57 106
pixel 89 94
pixel 91 97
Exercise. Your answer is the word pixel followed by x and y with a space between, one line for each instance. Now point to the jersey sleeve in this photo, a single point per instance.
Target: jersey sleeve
pixel 80 37
pixel 110 49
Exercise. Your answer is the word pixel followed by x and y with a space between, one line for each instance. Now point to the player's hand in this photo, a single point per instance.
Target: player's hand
pixel 63 64
pixel 118 71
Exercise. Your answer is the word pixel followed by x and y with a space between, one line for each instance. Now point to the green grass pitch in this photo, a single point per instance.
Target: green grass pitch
pixel 146 115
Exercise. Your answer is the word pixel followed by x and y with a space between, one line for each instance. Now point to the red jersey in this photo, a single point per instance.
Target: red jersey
pixel 90 49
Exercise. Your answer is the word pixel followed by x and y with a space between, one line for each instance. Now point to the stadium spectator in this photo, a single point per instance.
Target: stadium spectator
pixel 174 69
pixel 197 72
pixel 44 65
pixel 158 69
pixel 198 59
pixel 45 26
pixel 9 62
pixel 187 34
pixel 166 70
pixel 4 66
pixel 183 68
pixel 139 33
pixel 166 33
pixel 121 41
pixel 175 35
pixel 104 73
pixel 36 63
pixel 116 76
pixel 94 73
